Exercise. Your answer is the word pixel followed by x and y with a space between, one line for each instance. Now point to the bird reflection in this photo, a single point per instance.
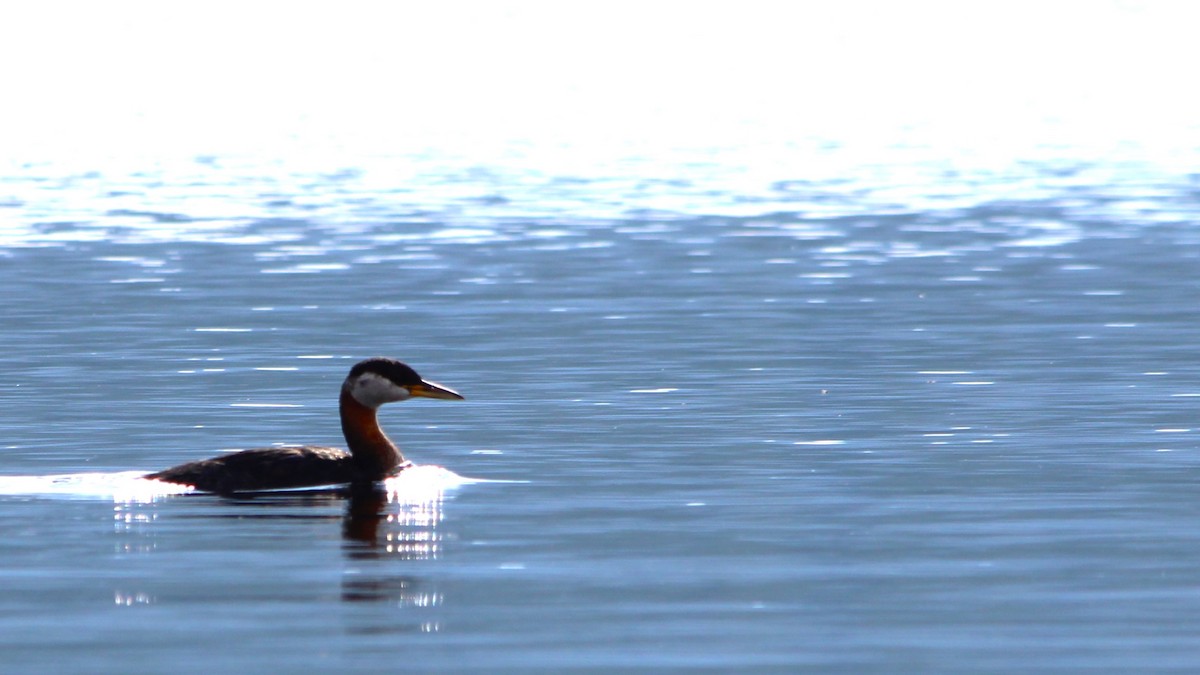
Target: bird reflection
pixel 384 524
pixel 380 526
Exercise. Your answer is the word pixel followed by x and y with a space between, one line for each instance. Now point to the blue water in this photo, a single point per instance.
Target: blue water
pixel 745 403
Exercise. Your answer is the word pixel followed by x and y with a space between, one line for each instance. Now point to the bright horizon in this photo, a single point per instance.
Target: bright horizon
pixel 284 78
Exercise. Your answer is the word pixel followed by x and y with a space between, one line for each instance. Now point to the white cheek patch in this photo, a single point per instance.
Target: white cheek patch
pixel 373 390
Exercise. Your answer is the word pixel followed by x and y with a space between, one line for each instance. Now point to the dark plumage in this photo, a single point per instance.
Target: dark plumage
pixel 267 469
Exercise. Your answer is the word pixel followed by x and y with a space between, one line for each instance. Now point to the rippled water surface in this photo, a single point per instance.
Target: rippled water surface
pixel 893 415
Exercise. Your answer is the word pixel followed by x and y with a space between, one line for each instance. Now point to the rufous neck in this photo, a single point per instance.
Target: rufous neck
pixel 373 451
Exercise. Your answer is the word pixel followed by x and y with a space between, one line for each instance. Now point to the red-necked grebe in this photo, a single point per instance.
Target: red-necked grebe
pixel 371 457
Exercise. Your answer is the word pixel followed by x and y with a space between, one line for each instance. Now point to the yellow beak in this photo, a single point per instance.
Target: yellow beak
pixel 428 389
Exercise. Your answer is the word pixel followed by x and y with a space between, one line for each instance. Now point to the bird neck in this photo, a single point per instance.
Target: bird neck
pixel 374 453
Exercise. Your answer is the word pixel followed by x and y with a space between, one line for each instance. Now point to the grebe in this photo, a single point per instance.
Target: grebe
pixel 372 456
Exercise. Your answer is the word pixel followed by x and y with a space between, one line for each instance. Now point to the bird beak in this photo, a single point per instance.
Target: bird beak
pixel 434 390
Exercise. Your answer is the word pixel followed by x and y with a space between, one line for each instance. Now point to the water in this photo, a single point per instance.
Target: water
pixel 731 420
pixel 863 386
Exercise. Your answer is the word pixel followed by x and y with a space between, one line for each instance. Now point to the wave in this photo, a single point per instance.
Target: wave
pixel 416 484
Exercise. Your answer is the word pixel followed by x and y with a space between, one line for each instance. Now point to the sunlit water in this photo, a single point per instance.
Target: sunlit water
pixel 795 405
